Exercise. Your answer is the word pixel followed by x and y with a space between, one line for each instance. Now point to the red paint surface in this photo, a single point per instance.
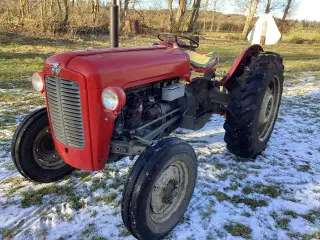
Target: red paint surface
pixel 118 67
pixel 245 55
pixel 122 68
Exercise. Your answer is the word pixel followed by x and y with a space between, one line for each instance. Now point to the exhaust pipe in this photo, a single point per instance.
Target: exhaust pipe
pixel 114 24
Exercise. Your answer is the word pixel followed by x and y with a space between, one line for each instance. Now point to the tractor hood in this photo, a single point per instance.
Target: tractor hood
pixel 121 67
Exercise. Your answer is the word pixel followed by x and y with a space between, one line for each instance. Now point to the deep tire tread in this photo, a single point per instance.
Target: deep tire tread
pixel 245 102
pixel 150 161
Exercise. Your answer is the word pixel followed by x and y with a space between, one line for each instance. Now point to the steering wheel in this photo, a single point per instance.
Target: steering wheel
pixel 164 37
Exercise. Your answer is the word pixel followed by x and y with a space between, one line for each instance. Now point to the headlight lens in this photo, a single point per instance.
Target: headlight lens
pixel 110 99
pixel 37 82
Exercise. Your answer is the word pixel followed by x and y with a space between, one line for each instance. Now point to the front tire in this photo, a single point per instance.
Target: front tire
pixel 33 151
pixel 159 188
pixel 254 104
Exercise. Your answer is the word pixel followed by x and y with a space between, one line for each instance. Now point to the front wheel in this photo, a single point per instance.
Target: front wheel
pixel 159 188
pixel 33 151
pixel 254 105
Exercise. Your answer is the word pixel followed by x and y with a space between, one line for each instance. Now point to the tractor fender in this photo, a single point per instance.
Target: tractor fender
pixel 236 69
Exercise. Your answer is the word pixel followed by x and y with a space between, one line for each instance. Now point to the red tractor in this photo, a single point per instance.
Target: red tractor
pixel 103 105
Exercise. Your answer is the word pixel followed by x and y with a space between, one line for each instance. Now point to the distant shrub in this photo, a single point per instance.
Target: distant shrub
pixel 297 40
pixel 90 30
pixel 300 39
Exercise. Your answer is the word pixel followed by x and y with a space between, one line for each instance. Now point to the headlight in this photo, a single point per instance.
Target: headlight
pixel 37 82
pixel 113 99
pixel 110 99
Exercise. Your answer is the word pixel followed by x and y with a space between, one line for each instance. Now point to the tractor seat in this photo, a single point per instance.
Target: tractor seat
pixel 202 62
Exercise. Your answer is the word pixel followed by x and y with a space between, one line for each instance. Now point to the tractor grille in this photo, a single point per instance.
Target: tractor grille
pixel 65 111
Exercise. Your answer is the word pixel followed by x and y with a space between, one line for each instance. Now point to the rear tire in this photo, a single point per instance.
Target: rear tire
pixel 33 151
pixel 159 188
pixel 254 105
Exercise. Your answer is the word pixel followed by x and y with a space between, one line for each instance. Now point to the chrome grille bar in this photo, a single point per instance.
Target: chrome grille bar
pixel 64 105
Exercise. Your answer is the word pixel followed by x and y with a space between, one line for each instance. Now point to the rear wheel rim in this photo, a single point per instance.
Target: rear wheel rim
pixel 269 109
pixel 168 192
pixel 44 151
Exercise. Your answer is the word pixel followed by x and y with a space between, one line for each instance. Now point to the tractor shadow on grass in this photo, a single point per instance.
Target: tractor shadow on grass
pixel 9 38
pixel 212 138
pixel 211 133
pixel 21 39
pixel 27 55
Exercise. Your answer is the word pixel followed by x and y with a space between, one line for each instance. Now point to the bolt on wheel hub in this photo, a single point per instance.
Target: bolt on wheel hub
pixel 168 191
pixel 44 151
pixel 269 108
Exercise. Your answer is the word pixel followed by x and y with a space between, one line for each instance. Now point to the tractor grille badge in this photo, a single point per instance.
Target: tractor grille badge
pixel 55 68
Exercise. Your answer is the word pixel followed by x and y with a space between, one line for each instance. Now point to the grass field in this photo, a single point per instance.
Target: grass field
pixel 275 197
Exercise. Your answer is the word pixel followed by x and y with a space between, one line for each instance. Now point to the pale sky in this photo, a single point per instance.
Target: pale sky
pixel 308 9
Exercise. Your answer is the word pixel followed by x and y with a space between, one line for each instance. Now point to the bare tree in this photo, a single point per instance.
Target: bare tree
pixel 61 25
pixel 214 14
pixel 125 10
pixel 205 9
pixel 23 5
pixel 272 5
pixel 175 23
pixel 289 7
pixel 59 6
pixel 194 15
pixel 94 9
pixel 43 13
pixel 7 7
pixel 252 8
pixel 268 6
pixel 51 7
pixel 286 10
pixel 133 4
pixel 180 14
pixel 66 13
pixel 171 22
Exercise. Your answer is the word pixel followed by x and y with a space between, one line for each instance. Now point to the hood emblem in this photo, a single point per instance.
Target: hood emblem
pixel 54 67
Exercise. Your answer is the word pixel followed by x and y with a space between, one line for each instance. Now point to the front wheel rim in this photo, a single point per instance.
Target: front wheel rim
pixel 269 109
pixel 168 192
pixel 44 151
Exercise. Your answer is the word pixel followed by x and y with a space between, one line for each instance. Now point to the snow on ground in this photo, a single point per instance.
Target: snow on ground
pixel 277 196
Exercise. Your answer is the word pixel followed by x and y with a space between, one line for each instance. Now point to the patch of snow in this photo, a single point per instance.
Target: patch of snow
pixel 291 163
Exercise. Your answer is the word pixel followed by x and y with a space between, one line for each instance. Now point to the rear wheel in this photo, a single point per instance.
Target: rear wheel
pixel 254 105
pixel 159 188
pixel 33 151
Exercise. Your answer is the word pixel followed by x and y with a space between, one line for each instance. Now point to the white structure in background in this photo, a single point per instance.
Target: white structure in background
pixel 265 31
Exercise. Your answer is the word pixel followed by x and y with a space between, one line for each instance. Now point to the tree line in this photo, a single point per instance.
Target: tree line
pixel 90 16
